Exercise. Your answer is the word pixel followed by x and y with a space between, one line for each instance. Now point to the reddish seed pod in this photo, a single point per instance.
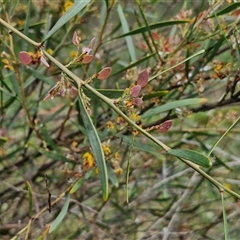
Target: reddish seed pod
pixel 143 78
pixel 25 58
pixel 164 127
pixel 74 91
pixel 135 90
pixel 137 101
pixel 104 73
pixel 87 59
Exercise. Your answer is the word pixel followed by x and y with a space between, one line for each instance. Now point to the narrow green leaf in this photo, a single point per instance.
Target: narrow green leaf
pixel 134 64
pixel 147 26
pixel 3 140
pixel 74 10
pixel 61 215
pixel 227 9
pixel 106 1
pixel 77 185
pixel 30 199
pixel 153 26
pixel 191 156
pixel 33 25
pixel 223 135
pixel 110 93
pixel 74 235
pixel 155 94
pixel 237 45
pixel 7 93
pixel 51 154
pixel 44 234
pixel 173 105
pixel 96 147
pixel 186 59
pixel 130 45
pixel 48 139
pixel 112 176
pixel 27 20
pixel 143 147
pixel 36 73
pixel 225 222
pixel 54 114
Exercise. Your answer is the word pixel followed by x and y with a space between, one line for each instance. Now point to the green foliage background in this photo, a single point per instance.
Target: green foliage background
pixel 155 188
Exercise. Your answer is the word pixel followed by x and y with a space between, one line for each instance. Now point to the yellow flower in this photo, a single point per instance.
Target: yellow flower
pixel 120 120
pixel 135 132
pixel 2 152
pixel 68 4
pixel 118 171
pixel 106 149
pixel 7 64
pixel 19 22
pixel 110 125
pixel 218 68
pixel 96 170
pixel 116 156
pixel 88 160
pixel 5 61
pixel 50 51
pixel 227 185
pixel 73 54
pixel 135 117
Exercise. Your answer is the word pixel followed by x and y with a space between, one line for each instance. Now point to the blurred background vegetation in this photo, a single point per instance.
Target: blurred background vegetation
pixel 44 147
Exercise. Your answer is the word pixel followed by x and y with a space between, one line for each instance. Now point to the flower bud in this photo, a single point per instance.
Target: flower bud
pixel 44 61
pixel 76 40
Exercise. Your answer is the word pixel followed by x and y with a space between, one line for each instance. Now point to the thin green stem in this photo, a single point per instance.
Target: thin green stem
pixel 185 60
pixel 14 30
pixel 212 180
pixel 218 141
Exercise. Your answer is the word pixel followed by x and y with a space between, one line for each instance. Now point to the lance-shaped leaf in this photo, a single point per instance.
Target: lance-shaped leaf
pixel 125 28
pixel 51 154
pixel 77 185
pixel 96 146
pixel 173 105
pixel 30 198
pixel 191 156
pixel 227 9
pixel 74 10
pixel 61 215
pixel 155 94
pixel 134 64
pixel 153 26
